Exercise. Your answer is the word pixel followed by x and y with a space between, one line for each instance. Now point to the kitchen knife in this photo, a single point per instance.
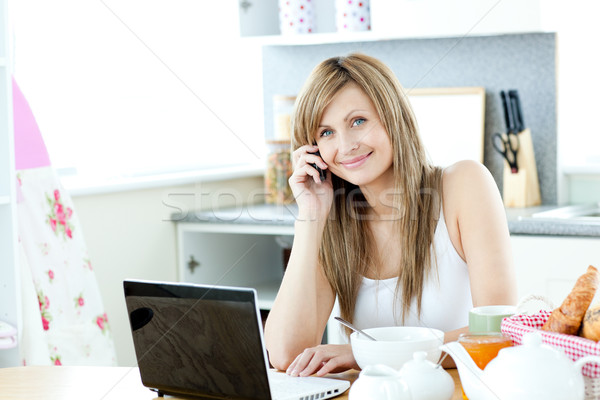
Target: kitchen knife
pixel 517 110
pixel 508 115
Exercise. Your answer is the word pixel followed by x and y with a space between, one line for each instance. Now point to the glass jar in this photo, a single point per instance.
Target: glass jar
pixel 283 108
pixel 483 347
pixel 278 171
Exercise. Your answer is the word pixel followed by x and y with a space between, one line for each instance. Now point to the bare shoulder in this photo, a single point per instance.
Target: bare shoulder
pixel 469 196
pixel 466 174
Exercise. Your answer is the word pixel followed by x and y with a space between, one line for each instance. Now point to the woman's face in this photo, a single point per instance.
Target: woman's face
pixel 351 139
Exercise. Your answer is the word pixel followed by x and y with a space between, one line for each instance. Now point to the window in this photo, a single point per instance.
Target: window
pixel 578 85
pixel 139 87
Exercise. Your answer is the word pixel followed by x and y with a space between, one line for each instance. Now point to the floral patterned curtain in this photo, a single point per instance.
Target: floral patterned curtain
pixel 69 317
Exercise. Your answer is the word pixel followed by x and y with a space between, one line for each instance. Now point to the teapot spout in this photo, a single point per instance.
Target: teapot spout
pixel 470 374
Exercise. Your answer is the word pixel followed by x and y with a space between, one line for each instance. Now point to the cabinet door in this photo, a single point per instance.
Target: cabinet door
pixel 209 254
pixel 549 266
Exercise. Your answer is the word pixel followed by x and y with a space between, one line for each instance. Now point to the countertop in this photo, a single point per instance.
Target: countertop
pixel 520 220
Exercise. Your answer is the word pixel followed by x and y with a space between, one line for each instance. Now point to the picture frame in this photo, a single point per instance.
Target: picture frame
pixel 451 122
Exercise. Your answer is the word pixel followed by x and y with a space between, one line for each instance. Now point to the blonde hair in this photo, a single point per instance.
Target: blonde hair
pixel 347 247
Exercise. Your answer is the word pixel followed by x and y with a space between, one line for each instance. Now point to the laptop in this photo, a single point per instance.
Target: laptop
pixel 207 342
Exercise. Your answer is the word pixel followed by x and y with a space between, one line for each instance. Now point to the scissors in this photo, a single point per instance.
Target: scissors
pixel 504 145
pixel 508 145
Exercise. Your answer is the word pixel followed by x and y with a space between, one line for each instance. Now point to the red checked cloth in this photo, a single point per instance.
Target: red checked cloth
pixel 574 347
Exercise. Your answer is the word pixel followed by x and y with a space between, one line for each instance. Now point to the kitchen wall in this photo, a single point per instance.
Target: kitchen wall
pixel 517 61
pixel 130 234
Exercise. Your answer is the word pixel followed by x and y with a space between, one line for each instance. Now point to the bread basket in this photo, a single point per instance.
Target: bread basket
pixel 574 347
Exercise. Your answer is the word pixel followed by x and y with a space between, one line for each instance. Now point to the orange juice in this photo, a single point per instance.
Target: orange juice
pixel 483 347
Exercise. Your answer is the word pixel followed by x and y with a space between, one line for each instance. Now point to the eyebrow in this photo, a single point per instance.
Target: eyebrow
pixel 346 117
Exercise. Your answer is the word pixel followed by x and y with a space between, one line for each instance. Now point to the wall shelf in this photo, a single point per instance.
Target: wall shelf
pixel 317 38
pixel 355 37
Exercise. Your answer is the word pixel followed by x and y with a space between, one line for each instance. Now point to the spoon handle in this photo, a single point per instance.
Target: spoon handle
pixel 439 364
pixel 349 325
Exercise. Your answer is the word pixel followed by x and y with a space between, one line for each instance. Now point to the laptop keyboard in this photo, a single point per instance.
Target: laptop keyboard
pixel 302 388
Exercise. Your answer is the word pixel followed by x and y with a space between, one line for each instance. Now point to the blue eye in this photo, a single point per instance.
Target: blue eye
pixel 359 121
pixel 326 133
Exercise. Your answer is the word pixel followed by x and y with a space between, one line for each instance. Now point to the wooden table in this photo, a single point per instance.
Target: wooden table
pixel 100 383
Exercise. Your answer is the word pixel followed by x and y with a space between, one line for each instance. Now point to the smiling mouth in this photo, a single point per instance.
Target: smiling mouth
pixel 357 161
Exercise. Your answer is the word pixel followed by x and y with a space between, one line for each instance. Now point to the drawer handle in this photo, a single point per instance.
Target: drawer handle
pixel 192 264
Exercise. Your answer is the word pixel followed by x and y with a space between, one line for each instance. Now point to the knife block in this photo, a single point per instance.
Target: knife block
pixel 523 188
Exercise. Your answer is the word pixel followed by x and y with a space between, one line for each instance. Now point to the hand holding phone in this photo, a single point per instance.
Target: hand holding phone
pixel 322 173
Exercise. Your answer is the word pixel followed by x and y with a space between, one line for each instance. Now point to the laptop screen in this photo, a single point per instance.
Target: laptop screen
pixel 198 340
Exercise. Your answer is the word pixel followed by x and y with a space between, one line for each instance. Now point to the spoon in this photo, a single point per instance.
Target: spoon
pixel 355 329
pixel 439 364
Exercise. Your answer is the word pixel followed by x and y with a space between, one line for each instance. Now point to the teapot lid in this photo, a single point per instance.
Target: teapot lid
pixel 419 364
pixel 425 378
pixel 532 351
pixel 532 339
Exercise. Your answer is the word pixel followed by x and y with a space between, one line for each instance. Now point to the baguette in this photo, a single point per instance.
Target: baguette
pixel 568 317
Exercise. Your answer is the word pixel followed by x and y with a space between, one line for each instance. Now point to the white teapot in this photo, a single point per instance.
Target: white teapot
pixel 418 379
pixel 530 371
pixel 379 382
pixel 425 380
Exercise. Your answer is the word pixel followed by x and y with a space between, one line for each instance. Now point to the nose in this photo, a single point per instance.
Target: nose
pixel 348 143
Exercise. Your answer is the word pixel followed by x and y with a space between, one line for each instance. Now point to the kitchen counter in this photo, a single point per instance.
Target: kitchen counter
pixel 520 220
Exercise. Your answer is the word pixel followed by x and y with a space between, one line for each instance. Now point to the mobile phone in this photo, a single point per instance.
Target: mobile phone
pixel 322 174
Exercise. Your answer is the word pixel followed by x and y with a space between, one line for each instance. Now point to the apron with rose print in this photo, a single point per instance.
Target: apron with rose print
pixel 64 322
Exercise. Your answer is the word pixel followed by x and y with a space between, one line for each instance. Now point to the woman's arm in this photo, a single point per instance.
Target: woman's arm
pixel 304 302
pixel 478 229
pixel 305 299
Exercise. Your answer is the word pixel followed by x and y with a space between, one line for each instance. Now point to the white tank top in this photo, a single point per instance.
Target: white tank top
pixel 445 303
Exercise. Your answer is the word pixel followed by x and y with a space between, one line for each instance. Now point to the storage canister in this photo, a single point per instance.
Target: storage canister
pixel 283 107
pixel 278 171
pixel 353 15
pixel 296 17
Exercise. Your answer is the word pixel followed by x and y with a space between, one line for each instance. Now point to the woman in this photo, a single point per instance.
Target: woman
pixel 396 240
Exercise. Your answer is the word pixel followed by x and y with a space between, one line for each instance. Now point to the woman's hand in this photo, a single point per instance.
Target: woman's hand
pixel 313 197
pixel 322 360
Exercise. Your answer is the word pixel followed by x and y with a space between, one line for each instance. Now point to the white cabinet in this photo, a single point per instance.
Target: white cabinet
pixel 246 248
pixel 9 276
pixel 234 255
pixel 550 265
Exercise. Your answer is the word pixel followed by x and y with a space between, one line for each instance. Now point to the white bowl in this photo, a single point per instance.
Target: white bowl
pixel 395 345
